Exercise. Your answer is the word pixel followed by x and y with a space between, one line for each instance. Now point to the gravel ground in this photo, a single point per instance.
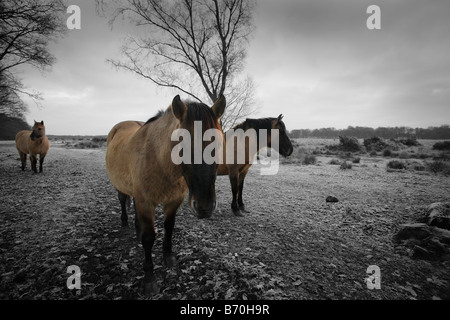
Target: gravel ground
pixel 292 244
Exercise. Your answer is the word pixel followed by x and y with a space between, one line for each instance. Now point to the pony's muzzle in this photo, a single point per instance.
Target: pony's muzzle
pixel 202 213
pixel 291 149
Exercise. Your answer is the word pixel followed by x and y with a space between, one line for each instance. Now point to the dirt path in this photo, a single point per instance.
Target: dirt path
pixel 292 245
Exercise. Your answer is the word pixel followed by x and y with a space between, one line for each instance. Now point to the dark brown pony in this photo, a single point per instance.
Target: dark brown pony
pixel 139 164
pixel 34 143
pixel 237 172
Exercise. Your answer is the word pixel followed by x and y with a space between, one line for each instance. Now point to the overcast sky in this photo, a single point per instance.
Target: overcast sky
pixel 315 61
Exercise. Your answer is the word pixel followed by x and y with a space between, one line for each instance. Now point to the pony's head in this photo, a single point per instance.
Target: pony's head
pixel 285 145
pixel 38 130
pixel 200 176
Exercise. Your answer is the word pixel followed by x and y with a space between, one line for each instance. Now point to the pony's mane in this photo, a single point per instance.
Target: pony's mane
pixel 257 124
pixel 196 111
pixel 158 115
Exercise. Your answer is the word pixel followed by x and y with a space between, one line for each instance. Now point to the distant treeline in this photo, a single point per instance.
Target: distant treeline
pixel 435 133
pixel 10 126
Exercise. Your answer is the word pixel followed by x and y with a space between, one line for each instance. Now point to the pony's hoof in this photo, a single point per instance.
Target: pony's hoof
pixel 170 261
pixel 238 213
pixel 242 209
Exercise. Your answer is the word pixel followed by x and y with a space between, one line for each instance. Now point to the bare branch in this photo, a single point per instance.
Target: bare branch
pixel 195 46
pixel 26 29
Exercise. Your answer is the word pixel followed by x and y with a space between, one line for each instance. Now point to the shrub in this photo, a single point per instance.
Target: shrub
pixel 87 145
pixel 373 153
pixel 300 155
pixel 404 155
pixel 423 156
pixel 444 145
pixel 345 165
pixel 387 153
pixel 396 164
pixel 356 160
pixel 349 144
pixel 309 159
pixel 344 155
pixel 334 161
pixel 437 166
pixel 418 167
pixel 442 156
pixel 374 144
pixel 394 145
pixel 410 142
pixel 82 145
pixel 99 139
pixel 294 143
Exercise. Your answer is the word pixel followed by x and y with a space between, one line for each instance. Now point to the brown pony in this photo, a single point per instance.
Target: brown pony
pixel 33 143
pixel 139 164
pixel 237 172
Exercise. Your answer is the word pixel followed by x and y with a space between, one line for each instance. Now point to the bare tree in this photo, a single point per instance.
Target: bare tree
pixel 241 102
pixel 195 46
pixel 26 28
pixel 10 102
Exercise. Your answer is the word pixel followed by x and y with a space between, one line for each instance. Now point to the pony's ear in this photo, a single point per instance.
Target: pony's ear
pixel 219 106
pixel 275 124
pixel 35 122
pixel 179 109
pixel 42 122
pixel 280 117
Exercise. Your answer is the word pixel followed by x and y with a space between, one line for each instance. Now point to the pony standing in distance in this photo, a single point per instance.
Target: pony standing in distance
pixel 34 143
pixel 236 171
pixel 139 164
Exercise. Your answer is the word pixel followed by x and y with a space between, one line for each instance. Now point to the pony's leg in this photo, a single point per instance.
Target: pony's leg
pixel 23 159
pixel 137 225
pixel 41 161
pixel 241 187
pixel 146 216
pixel 234 180
pixel 123 206
pixel 33 159
pixel 170 210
